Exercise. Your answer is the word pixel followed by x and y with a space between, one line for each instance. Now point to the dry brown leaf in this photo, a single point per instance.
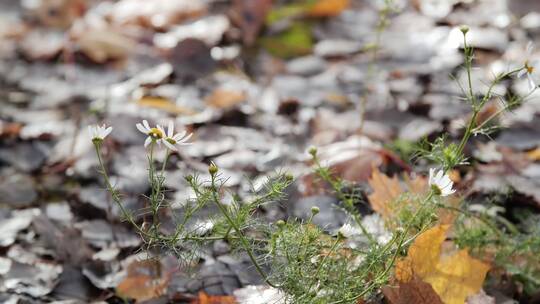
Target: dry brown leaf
pixel 453 277
pixel 328 8
pixel 414 291
pixel 157 14
pixel 164 104
pixel 534 155
pixel 249 16
pixel 204 298
pixel 223 98
pixel 104 45
pixel 144 281
pixel 385 191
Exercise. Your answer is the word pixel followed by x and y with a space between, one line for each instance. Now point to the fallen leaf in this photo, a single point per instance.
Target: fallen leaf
pixel 414 291
pixel 453 277
pixel 534 155
pixel 164 104
pixel 328 8
pixel 204 298
pixel 144 281
pixel 385 191
pixel 295 41
pixel 104 45
pixel 250 16
pixel 158 14
pixel 224 98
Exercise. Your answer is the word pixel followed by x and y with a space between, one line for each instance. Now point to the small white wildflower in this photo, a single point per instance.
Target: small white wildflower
pixel 172 140
pixel 440 182
pixel 347 231
pixel 529 68
pixel 99 132
pixel 154 134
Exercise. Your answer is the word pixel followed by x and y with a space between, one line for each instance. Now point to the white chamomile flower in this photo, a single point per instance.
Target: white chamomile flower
pixel 172 140
pixel 347 231
pixel 530 67
pixel 154 134
pixel 440 183
pixel 99 132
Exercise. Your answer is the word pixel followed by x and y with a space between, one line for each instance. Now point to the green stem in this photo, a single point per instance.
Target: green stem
pixel 241 236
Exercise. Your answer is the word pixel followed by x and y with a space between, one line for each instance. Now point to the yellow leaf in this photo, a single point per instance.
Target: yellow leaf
pixel 453 277
pixel 164 104
pixel 328 8
pixel 534 155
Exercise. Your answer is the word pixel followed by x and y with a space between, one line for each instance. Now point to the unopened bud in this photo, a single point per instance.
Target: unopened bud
pixel 212 169
pixel 464 29
pixel 315 210
pixel 280 223
pixel 312 151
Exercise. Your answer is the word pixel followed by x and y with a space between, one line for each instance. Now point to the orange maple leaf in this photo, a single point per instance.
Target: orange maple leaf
pixel 453 277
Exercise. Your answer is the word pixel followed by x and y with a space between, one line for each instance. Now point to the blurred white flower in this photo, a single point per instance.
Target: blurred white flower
pixel 99 132
pixel 440 182
pixel 347 231
pixel 530 67
pixel 172 140
pixel 154 134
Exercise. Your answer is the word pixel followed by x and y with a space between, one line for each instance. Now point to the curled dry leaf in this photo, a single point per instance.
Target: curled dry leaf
pixel 414 291
pixel 454 277
pixel 224 98
pixel 328 8
pixel 144 281
pixel 104 45
pixel 204 298
pixel 164 104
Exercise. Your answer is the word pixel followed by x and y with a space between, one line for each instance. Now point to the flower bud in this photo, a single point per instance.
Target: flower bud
pixel 464 29
pixel 289 177
pixel 280 223
pixel 212 169
pixel 312 151
pixel 315 210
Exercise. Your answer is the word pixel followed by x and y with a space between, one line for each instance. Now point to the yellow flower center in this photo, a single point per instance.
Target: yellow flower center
pixel 530 69
pixel 156 133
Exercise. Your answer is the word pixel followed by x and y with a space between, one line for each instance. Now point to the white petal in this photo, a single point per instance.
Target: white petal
pixel 107 131
pixel 147 141
pixel 146 125
pixel 179 136
pixel 141 128
pixel 431 172
pixel 530 80
pixel 170 130
pixel 169 145
pixel 438 176
pixel 183 140
pixel 521 72
pixel 530 47
pixel 91 131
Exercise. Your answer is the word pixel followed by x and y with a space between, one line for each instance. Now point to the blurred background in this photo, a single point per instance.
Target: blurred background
pixel 257 82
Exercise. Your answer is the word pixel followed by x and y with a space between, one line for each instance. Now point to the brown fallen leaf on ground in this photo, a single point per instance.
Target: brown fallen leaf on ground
pixel 224 98
pixel 145 280
pixel 164 104
pixel 204 298
pixel 103 45
pixel 328 8
pixel 386 190
pixel 249 16
pixel 414 291
pixel 454 277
